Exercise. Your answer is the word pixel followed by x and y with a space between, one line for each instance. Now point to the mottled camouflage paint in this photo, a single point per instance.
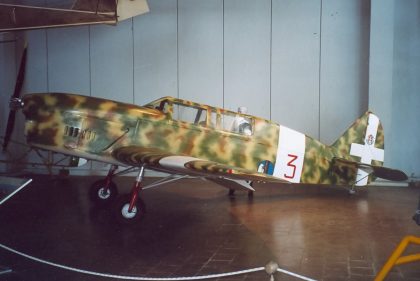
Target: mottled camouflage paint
pixel 320 166
pixel 109 130
pixel 357 134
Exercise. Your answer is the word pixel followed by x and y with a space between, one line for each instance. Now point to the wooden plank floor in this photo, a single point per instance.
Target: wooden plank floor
pixel 193 228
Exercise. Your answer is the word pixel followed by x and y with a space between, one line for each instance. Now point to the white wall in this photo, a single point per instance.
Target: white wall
pixel 295 64
pixel 304 64
pixel 200 51
pixel 405 136
pixel 9 46
pixel 381 66
pixel 7 72
pixel 246 63
pixel 156 52
pixel 344 65
pixel 394 89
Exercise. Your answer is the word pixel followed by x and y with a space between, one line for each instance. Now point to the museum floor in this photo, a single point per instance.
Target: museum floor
pixel 193 228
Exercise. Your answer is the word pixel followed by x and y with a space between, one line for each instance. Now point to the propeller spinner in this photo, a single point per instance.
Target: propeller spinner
pixel 15 101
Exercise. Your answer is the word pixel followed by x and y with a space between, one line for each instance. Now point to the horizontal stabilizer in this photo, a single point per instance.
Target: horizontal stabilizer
pixel 378 171
pixel 389 174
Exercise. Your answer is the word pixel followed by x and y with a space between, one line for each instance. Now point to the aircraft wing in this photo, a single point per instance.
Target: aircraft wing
pixel 378 171
pixel 179 164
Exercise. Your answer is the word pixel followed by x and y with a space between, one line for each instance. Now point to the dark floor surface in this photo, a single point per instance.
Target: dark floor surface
pixel 193 228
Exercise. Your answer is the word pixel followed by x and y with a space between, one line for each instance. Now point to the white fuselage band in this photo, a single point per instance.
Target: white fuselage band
pixel 290 155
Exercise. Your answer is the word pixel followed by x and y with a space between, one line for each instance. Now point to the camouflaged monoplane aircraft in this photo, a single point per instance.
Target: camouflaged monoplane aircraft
pixel 186 138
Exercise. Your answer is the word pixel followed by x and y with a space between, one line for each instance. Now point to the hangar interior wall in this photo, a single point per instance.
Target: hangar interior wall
pixel 314 66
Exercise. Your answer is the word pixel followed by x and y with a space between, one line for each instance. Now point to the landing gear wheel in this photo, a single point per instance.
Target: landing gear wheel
pixel 231 192
pixel 123 215
pixel 416 217
pixel 99 195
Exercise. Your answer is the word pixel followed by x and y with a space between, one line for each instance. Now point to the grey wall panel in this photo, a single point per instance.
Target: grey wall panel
pixel 8 70
pixel 111 65
pixel 7 62
pixel 247 36
pixel 200 51
pixel 36 79
pixel 405 135
pixel 68 60
pixel 111 58
pixel 381 67
pixel 295 65
pixel 155 52
pixel 10 62
pixel 344 65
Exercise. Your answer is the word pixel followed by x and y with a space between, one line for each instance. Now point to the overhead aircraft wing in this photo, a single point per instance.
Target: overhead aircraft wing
pixel 378 171
pixel 35 14
pixel 179 164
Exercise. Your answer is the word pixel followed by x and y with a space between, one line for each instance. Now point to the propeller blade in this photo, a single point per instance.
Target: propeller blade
pixel 9 128
pixel 21 75
pixel 16 94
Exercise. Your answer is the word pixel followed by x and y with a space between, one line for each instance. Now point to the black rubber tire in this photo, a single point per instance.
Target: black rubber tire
pixel 97 195
pixel 416 217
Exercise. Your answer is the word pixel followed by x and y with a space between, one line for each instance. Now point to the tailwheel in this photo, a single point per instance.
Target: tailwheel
pixel 352 191
pixel 251 192
pixel 102 194
pixel 123 213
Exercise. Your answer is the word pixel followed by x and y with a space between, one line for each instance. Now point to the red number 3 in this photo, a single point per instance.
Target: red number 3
pixel 290 164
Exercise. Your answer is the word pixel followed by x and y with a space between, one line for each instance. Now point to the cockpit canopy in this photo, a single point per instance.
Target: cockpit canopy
pixel 204 115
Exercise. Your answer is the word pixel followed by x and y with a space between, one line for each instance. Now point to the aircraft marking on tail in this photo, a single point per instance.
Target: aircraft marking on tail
pixel 290 155
pixel 367 151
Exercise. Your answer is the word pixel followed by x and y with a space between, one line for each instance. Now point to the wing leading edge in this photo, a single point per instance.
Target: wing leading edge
pixel 179 164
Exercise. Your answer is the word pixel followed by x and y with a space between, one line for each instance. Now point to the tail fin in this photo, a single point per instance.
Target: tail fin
pixel 361 150
pixel 365 136
pixel 362 143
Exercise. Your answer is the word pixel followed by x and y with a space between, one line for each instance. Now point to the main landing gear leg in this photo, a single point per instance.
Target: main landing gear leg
pixel 130 208
pixel 231 192
pixel 104 191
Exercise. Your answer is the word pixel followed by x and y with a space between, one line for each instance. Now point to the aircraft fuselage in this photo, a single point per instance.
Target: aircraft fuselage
pixel 93 128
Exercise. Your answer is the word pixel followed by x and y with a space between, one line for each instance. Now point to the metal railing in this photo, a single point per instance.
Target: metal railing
pixel 270 269
pixel 396 258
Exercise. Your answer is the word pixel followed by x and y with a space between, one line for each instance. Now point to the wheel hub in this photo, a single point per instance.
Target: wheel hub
pixel 104 193
pixel 126 213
